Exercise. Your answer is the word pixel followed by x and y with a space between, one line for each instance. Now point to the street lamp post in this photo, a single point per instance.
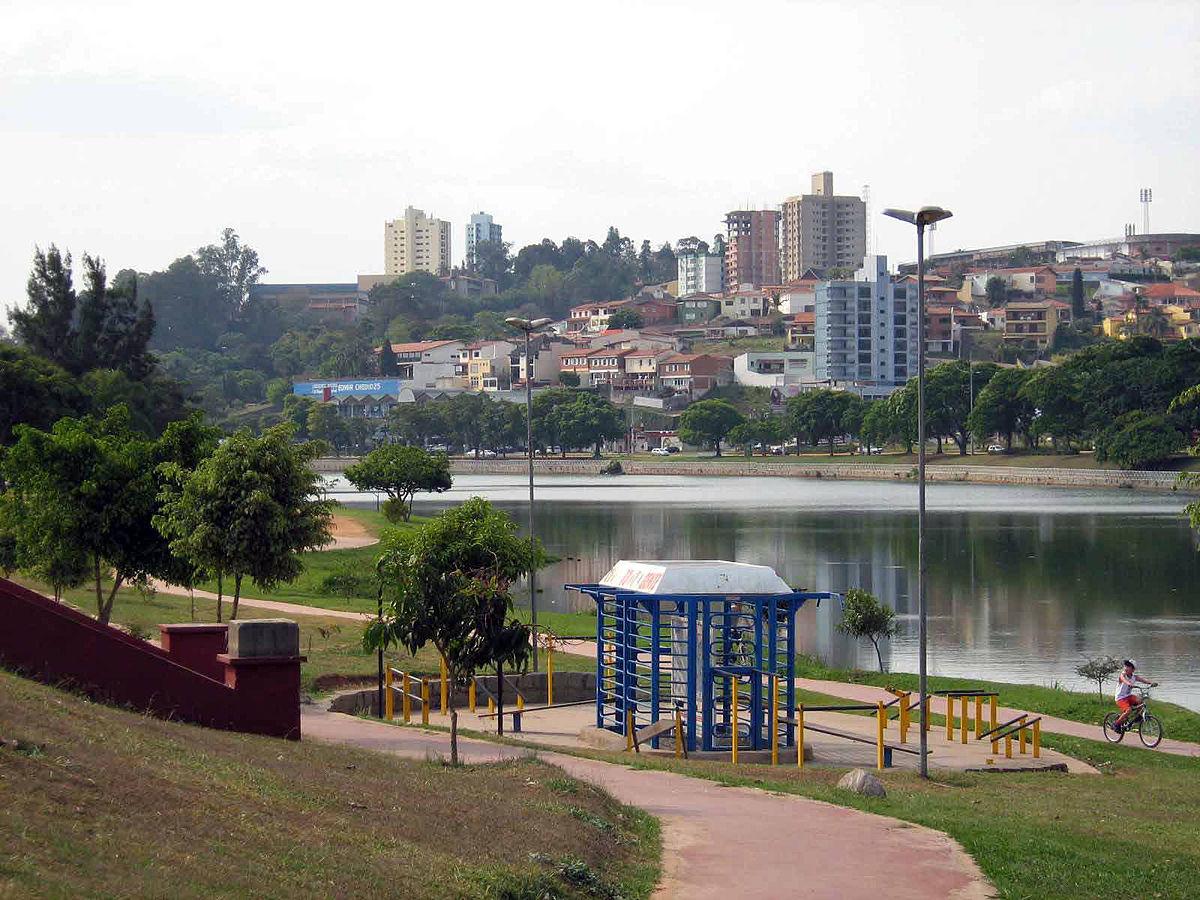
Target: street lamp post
pixel 925 216
pixel 529 326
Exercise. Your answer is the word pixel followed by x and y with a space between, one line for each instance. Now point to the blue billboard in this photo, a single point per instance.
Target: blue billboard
pixel 348 387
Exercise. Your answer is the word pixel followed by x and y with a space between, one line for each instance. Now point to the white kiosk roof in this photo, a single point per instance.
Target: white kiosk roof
pixel 694 576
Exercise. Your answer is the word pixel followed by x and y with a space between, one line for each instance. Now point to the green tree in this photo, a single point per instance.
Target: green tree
pixel 418 423
pixel 764 431
pixel 1099 669
pixel 1139 440
pixel 400 472
pixel 235 268
pixel 707 422
pixel 996 290
pixel 1056 396
pixel 948 399
pixel 249 509
pixel 387 360
pixel 1001 407
pixel 878 426
pixel 190 308
pixel 492 260
pixel 626 318
pixel 1078 310
pixel 585 420
pixel 324 424
pixel 34 391
pixel 863 616
pixel 448 583
pixel 82 497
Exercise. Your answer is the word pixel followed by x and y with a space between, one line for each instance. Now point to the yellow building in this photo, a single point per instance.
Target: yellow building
pixel 1034 320
pixel 1168 323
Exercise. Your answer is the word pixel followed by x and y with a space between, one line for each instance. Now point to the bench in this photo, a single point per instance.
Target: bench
pixel 653 730
pixel 517 713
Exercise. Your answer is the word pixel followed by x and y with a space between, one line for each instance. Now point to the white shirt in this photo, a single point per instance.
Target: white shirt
pixel 1125 688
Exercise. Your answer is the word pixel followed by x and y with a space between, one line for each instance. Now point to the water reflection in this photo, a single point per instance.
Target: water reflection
pixel 1023 582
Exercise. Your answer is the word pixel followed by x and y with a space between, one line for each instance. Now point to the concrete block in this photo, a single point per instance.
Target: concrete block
pixel 256 638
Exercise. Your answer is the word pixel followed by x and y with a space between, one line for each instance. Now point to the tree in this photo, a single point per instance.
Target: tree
pixel 417 423
pixel 448 583
pixel 325 424
pixel 752 432
pixel 1078 310
pixel 400 472
pixel 235 268
pixel 878 426
pixel 1139 440
pixel 189 306
pixel 1099 669
pixel 492 260
pixel 863 616
pixel 34 391
pixel 387 360
pixel 1001 407
pixel 102 328
pixel 569 379
pixel 249 509
pixel 996 289
pixel 1055 394
pixel 585 420
pixel 707 422
pixel 82 498
pixel 626 318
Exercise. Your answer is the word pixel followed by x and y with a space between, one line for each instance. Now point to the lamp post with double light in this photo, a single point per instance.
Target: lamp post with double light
pixel 529 326
pixel 922 218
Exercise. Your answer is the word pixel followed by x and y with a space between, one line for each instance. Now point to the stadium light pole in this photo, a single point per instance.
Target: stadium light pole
pixel 529 326
pixel 922 218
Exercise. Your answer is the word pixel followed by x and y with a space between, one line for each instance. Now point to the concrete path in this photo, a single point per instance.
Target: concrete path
pixel 279 606
pixel 721 842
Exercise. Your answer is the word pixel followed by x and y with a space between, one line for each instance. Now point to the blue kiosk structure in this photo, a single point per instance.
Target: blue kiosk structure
pixel 677 634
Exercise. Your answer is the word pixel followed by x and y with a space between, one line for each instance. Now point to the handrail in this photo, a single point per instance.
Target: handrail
pixel 1003 725
pixel 1018 726
pixel 963 693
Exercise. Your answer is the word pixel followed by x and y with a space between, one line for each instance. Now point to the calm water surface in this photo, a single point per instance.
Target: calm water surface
pixel 1024 583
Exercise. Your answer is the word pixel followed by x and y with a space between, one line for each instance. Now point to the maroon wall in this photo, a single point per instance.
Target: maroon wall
pixel 60 645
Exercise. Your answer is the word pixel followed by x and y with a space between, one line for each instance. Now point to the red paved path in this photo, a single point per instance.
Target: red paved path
pixel 721 842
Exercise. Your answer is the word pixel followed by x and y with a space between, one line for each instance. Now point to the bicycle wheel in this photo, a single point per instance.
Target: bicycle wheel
pixel 1150 731
pixel 1110 732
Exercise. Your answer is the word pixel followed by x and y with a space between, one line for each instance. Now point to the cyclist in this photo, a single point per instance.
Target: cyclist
pixel 1127 700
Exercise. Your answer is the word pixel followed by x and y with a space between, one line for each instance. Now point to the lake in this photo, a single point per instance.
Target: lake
pixel 1024 583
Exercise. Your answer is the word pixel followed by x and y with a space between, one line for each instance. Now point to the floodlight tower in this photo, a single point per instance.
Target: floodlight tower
pixel 1147 197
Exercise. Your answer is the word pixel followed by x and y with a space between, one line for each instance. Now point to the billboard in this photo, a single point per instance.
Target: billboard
pixel 348 387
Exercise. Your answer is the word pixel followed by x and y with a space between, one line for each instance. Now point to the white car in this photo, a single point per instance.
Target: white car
pixel 996 448
pixel 660 451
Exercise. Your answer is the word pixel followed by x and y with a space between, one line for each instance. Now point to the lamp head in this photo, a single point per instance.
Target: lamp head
pixel 926 215
pixel 903 215
pixel 527 324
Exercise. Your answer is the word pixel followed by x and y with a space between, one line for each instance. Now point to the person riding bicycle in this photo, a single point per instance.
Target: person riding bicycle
pixel 1127 700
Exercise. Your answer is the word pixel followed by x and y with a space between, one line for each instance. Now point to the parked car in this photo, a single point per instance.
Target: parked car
pixel 672 449
pixel 996 448
pixel 487 454
pixel 660 451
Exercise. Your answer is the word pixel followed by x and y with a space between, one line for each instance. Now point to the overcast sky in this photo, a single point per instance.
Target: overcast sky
pixel 138 130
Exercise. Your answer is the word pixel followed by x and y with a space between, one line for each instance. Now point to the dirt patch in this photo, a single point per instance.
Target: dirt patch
pixel 348 532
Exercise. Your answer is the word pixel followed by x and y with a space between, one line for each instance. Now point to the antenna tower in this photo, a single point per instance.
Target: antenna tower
pixel 1147 197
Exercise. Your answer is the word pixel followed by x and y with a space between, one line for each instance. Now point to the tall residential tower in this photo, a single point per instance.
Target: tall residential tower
pixel 416 243
pixel 699 271
pixel 822 230
pixel 752 248
pixel 480 228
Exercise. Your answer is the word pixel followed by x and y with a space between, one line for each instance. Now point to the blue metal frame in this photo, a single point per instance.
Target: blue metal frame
pixel 629 627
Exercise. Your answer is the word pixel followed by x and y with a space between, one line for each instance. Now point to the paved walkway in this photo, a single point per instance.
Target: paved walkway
pixel 721 842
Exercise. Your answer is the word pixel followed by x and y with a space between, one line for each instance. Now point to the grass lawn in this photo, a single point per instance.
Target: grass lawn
pixel 1033 834
pixel 1178 722
pixel 99 801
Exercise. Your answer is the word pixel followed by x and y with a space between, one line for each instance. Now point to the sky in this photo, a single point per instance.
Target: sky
pixel 137 131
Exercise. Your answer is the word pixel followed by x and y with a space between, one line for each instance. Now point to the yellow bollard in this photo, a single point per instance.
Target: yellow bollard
pixel 992 711
pixel 734 754
pixel 471 695
pixel 389 703
pixel 628 730
pixel 444 698
pixel 962 722
pixel 1021 732
pixel 978 717
pixel 424 699
pixel 800 736
pixel 904 716
pixel 678 733
pixel 1008 746
pixel 774 720
pixel 928 710
pixel 491 705
pixel 949 718
pixel 520 701
pixel 406 699
pixel 549 675
pixel 1037 738
pixel 880 721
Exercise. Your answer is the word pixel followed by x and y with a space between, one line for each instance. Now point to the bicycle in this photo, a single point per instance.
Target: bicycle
pixel 1149 728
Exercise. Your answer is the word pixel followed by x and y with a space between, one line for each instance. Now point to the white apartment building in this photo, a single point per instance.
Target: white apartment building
pixel 866 330
pixel 745 304
pixel 416 243
pixel 821 230
pixel 481 228
pixel 699 271
pixel 787 370
pixel 428 364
